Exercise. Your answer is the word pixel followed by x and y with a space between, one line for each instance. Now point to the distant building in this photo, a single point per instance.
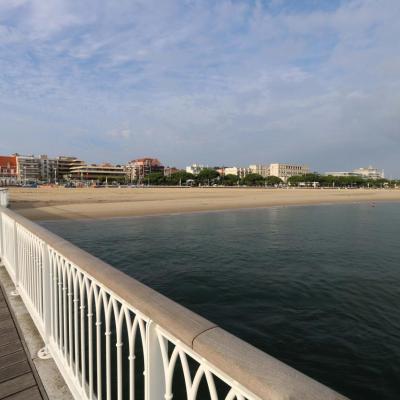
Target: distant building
pixel 44 168
pixel 366 173
pixel 285 171
pixel 8 170
pixel 342 174
pixel 238 171
pixel 28 168
pixel 195 169
pixel 220 170
pixel 168 171
pixel 138 169
pixel 47 169
pixel 65 165
pixel 98 172
pixel 263 170
pixel 231 171
pixel 370 173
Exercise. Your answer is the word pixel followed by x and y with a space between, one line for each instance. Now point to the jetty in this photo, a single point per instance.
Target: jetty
pixel 104 335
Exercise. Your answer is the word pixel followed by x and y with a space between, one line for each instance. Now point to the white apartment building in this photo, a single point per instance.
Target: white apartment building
pixel 261 169
pixel 285 171
pixel 238 171
pixel 370 173
pixel 194 169
pixel 231 171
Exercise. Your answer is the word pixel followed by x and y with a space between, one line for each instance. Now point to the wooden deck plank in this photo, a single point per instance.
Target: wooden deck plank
pixel 8 336
pixel 3 308
pixel 6 324
pixel 28 394
pixel 16 385
pixel 4 317
pixel 14 371
pixel 10 348
pixel 12 358
pixel 18 377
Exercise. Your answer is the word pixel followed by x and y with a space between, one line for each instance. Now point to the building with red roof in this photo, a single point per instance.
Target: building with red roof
pixel 8 170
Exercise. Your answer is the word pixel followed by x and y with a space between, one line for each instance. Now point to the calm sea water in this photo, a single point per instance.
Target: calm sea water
pixel 317 287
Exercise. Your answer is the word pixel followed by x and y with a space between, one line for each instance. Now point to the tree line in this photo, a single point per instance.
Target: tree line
pixel 339 181
pixel 210 177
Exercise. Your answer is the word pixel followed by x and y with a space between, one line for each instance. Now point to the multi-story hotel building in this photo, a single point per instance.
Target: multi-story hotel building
pixel 8 170
pixel 285 171
pixel 65 165
pixel 138 169
pixel 98 172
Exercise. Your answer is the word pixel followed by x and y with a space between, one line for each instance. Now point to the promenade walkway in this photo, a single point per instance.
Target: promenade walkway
pixel 18 377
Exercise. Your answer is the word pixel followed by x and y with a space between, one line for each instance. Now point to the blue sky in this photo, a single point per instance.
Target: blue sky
pixel 217 82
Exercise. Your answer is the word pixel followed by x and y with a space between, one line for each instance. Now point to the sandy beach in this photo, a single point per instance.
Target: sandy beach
pixel 92 203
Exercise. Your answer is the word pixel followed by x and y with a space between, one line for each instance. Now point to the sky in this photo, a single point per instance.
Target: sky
pixel 225 82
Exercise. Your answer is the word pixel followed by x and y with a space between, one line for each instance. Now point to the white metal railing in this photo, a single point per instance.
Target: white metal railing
pixel 3 197
pixel 114 338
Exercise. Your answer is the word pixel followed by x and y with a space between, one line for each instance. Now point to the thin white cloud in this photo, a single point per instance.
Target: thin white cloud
pixel 120 133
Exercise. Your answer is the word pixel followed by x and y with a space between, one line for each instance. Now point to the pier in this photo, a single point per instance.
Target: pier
pixel 112 337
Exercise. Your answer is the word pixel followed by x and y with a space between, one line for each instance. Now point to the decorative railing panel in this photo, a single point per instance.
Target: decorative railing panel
pixel 30 256
pixel 114 338
pixel 195 370
pixel 94 332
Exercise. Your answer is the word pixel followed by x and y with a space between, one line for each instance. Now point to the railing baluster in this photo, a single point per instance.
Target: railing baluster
pixel 90 335
pixel 16 263
pixel 47 297
pixel 1 236
pixel 154 372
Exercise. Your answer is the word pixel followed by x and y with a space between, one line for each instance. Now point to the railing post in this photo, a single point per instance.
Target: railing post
pixel 47 298
pixel 16 255
pixel 1 236
pixel 154 372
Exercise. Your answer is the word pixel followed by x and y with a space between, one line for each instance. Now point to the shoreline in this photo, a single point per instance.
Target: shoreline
pixel 212 211
pixel 47 204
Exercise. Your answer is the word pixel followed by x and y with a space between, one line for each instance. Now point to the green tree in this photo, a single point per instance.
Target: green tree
pixel 230 180
pixel 273 180
pixel 253 180
pixel 207 176
pixel 307 178
pixel 155 178
pixel 180 177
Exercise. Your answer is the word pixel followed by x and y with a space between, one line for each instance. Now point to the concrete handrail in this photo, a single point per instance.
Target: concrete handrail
pixel 255 370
